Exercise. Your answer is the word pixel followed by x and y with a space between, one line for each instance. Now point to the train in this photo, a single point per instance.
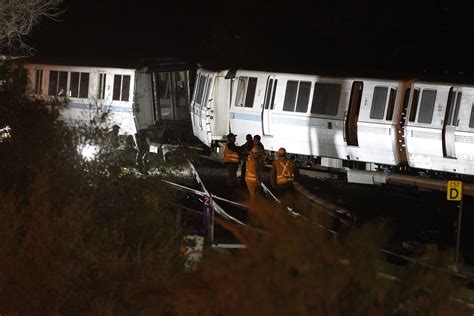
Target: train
pixel 364 124
pixel 152 97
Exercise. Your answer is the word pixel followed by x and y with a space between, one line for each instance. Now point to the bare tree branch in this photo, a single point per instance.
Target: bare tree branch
pixel 19 17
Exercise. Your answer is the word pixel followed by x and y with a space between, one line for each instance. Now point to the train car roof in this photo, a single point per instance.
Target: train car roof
pixel 150 64
pixel 433 76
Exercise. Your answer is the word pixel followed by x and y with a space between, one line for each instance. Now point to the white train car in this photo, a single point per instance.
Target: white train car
pixel 209 108
pixel 440 127
pixel 89 90
pixel 347 119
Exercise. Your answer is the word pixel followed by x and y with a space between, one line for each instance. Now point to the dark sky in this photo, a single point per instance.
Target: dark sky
pixel 423 37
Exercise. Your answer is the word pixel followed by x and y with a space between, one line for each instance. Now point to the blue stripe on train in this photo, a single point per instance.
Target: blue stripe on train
pixel 107 108
pixel 245 116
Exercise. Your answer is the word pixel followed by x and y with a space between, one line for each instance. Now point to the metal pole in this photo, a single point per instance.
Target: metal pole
pixel 459 232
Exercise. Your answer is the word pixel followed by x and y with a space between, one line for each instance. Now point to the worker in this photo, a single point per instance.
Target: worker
pixel 282 177
pixel 231 159
pixel 114 137
pixel 253 172
pixel 261 150
pixel 244 154
pixel 143 151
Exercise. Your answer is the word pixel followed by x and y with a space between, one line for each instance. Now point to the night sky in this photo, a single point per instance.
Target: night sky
pixel 422 39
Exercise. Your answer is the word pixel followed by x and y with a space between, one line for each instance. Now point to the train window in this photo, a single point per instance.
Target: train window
pixel 38 80
pixel 471 120
pixel 275 83
pixel 427 104
pixel 125 88
pixel 121 88
pixel 57 83
pixel 325 98
pixel 202 82
pixel 303 96
pixel 453 109
pixel 391 104
pixel 414 105
pixel 251 88
pixel 102 78
pixel 53 83
pixel 79 85
pixel 378 103
pixel 239 100
pixel 198 78
pixel 74 84
pixel 290 96
pixel 182 88
pixel 205 96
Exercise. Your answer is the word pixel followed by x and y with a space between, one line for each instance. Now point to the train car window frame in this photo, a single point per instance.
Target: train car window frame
pixel 427 105
pixel 121 91
pixel 250 90
pixel 471 119
pixel 414 105
pixel 291 93
pixel 102 81
pixel 240 94
pixel 246 90
pixel 182 88
pixel 326 97
pixel 200 92
pixel 379 102
pixel 38 89
pixel 391 104
pixel 275 85
pixel 196 86
pixel 57 85
pixel 79 85
pixel 304 92
pixel 452 117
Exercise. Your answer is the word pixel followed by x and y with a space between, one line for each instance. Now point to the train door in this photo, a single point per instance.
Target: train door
pixel 451 122
pixel 171 95
pixel 352 115
pixel 205 123
pixel 268 105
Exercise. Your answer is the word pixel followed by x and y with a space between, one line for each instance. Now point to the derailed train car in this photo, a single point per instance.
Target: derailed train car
pixel 152 98
pixel 90 91
pixel 356 123
pixel 162 96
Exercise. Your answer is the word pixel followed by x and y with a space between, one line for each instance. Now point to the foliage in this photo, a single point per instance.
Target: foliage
pixel 19 17
pixel 295 269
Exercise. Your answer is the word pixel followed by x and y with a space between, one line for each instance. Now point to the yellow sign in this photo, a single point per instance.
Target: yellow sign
pixel 454 190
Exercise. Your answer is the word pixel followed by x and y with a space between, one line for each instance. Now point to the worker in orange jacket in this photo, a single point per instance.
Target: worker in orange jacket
pixel 231 159
pixel 253 176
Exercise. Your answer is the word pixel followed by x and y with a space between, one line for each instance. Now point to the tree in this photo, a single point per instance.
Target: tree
pixel 19 17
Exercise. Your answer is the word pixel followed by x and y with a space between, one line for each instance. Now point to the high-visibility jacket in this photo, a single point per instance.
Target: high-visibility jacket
pixel 230 155
pixel 284 171
pixel 252 172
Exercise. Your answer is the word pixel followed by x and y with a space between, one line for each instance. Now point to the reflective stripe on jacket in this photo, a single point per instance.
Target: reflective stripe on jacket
pixel 285 172
pixel 230 155
pixel 252 171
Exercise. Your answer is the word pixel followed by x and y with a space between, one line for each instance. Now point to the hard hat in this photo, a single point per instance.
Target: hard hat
pixel 282 151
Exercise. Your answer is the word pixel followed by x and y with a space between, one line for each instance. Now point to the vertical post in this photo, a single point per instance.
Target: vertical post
pixel 458 241
pixel 211 237
pixel 208 219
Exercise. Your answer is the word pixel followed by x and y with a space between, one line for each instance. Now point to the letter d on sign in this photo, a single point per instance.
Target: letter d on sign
pixel 454 191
